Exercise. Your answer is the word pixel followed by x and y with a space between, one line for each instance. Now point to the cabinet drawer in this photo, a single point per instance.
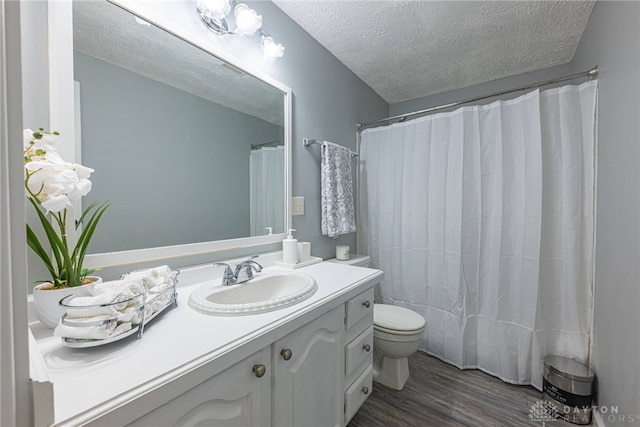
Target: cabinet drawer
pixel 355 395
pixel 359 306
pixel 358 350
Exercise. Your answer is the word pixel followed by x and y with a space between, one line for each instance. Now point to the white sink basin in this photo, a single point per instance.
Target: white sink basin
pixel 267 291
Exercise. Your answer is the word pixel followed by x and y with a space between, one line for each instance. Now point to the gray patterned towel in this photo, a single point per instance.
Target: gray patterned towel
pixel 336 188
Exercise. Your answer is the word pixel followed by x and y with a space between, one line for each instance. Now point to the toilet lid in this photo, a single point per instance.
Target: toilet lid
pixel 396 318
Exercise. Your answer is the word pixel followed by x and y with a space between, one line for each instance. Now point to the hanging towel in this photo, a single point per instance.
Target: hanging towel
pixel 336 188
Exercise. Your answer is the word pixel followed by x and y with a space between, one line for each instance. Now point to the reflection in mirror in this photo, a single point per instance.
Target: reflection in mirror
pixel 186 147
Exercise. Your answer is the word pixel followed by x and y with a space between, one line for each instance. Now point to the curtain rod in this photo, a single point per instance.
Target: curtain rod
pixel 592 74
pixel 266 144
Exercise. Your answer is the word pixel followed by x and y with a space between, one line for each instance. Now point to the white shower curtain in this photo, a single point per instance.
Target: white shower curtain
pixel 266 184
pixel 482 220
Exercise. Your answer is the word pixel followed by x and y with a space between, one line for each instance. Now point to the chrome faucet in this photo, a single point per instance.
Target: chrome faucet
pixel 242 273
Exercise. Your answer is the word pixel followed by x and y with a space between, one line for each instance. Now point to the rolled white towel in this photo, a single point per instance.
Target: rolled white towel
pixel 132 285
pixel 83 321
pixel 100 332
pixel 134 314
pixel 105 310
pixel 160 302
pixel 160 288
pixel 151 282
pixel 153 277
pixel 121 329
pixel 116 296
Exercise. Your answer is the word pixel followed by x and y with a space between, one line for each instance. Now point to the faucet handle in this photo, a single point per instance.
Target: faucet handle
pixel 244 270
pixel 228 277
pixel 256 265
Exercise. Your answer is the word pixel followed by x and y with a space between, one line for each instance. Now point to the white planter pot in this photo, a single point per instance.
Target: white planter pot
pixel 46 302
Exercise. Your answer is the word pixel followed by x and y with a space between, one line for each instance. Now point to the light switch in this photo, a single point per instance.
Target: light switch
pixel 297 205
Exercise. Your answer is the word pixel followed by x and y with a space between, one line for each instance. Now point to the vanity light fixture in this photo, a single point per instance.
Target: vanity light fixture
pixel 270 49
pixel 247 20
pixel 214 13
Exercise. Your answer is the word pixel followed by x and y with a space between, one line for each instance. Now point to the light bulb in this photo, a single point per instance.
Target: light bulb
pixel 270 49
pixel 214 9
pixel 247 20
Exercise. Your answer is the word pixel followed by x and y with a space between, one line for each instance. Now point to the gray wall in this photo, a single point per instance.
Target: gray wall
pixel 328 102
pixel 480 90
pixel 611 41
pixel 182 160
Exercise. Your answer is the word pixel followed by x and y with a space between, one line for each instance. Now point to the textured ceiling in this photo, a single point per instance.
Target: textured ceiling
pixel 410 49
pixel 119 39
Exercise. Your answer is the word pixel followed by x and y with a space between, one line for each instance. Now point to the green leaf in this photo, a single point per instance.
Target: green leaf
pixel 60 251
pixel 88 230
pixel 67 269
pixel 34 244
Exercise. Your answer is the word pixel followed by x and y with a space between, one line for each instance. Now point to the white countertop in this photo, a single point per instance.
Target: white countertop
pixel 177 341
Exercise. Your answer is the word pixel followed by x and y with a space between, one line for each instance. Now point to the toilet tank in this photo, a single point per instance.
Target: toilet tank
pixel 354 259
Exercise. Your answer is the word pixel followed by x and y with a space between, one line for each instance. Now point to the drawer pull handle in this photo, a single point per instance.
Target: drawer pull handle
pixel 365 390
pixel 259 370
pixel 366 348
pixel 286 353
pixel 367 304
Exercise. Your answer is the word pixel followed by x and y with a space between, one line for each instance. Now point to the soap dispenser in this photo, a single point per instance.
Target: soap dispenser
pixel 290 248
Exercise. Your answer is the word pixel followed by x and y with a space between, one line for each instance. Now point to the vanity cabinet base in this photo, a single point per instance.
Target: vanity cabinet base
pixel 236 397
pixel 307 375
pixel 319 374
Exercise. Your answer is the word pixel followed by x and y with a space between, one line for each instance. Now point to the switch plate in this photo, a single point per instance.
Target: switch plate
pixel 297 205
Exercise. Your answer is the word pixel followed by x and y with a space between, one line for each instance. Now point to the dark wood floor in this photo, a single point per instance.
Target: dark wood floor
pixel 438 394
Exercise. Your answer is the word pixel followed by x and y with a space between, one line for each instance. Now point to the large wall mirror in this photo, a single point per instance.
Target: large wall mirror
pixel 191 149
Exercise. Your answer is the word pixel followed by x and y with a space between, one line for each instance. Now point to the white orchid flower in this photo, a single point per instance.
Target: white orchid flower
pixel 82 171
pixel 56 203
pixel 81 188
pixel 27 135
pixel 52 184
pixel 46 142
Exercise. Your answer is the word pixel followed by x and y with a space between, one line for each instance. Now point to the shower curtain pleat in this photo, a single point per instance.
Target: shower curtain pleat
pixel 266 181
pixel 483 221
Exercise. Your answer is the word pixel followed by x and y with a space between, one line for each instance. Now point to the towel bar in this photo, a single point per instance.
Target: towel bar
pixel 307 142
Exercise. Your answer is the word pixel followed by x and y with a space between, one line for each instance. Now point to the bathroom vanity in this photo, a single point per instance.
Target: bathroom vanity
pixel 306 364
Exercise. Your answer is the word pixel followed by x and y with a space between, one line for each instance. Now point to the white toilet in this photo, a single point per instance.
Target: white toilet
pixel 397 332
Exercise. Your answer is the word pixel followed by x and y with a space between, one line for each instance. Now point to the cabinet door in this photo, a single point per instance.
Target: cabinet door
pixel 238 396
pixel 308 374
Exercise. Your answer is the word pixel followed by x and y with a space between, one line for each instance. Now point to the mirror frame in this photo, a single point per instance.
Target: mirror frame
pixel 61 118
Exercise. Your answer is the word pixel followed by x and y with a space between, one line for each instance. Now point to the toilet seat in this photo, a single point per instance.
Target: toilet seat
pixel 397 332
pixel 396 320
